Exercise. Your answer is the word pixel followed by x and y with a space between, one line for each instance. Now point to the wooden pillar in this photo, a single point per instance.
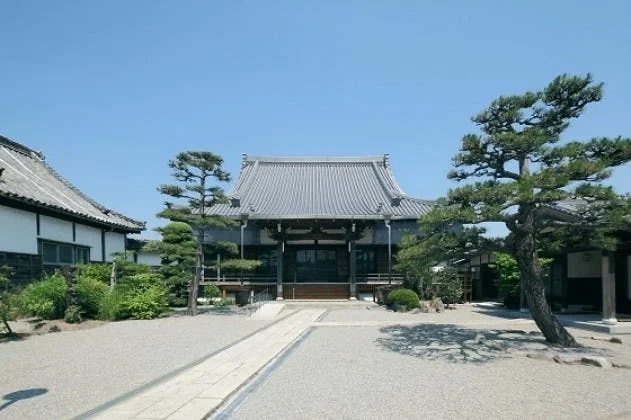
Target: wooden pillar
pixel 279 270
pixel 352 263
pixel 609 288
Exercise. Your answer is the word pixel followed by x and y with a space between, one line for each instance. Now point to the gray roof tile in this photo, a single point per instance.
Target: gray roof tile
pixel 26 177
pixel 319 187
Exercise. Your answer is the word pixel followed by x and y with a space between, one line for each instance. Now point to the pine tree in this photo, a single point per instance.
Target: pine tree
pixel 525 171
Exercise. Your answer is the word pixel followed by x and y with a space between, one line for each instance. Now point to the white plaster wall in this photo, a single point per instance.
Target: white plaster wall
pixel 90 236
pixel 55 229
pixel 114 242
pixel 18 231
pixel 149 259
pixel 584 264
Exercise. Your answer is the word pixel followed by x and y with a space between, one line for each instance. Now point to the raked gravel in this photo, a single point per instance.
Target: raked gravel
pixel 435 370
pixel 83 369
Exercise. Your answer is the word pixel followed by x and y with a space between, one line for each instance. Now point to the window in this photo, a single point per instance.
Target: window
pixel 58 253
pixel 365 259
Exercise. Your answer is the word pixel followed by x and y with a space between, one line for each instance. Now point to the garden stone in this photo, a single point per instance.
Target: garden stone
pixel 425 307
pixel 596 361
pixel 439 305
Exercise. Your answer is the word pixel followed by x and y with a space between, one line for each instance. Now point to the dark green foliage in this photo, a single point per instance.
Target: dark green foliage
pixel 9 301
pixel 100 272
pixel 72 315
pixel 45 299
pixel 177 301
pixel 89 294
pixel 447 285
pixel 194 171
pixel 177 251
pixel 525 171
pixel 211 291
pixel 236 264
pixel 403 297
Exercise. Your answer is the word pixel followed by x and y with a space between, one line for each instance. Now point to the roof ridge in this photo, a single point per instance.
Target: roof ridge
pixel 19 147
pixel 315 158
pixel 95 203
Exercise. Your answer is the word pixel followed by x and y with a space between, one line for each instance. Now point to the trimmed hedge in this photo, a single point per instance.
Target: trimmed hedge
pixel 403 297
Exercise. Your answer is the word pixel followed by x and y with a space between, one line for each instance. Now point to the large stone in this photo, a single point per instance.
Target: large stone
pixel 439 305
pixel 425 307
pixel 596 361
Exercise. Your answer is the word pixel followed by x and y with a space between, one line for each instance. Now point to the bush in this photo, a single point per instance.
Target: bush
pixel 72 315
pixel 447 285
pixel 150 303
pixel 100 272
pixel 403 297
pixel 142 296
pixel 90 292
pixel 177 301
pixel 111 305
pixel 211 291
pixel 45 299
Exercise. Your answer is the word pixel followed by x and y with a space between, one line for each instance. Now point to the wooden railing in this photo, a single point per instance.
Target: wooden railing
pixel 380 278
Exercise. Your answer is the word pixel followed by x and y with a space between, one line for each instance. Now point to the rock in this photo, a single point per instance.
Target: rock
pixel 539 356
pixel 399 308
pixel 567 359
pixel 425 307
pixel 416 311
pixel 493 345
pixel 535 333
pixel 615 340
pixel 596 361
pixel 439 305
pixel 621 365
pixel 479 338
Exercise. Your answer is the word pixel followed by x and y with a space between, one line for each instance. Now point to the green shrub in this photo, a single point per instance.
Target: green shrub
pixel 72 315
pixel 111 306
pixel 100 272
pixel 141 296
pixel 90 293
pixel 447 285
pixel 150 303
pixel 177 301
pixel 141 282
pixel 403 297
pixel 211 291
pixel 225 302
pixel 45 299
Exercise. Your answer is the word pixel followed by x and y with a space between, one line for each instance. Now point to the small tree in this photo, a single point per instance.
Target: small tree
pixel 447 285
pixel 7 300
pixel 177 252
pixel 195 171
pixel 526 171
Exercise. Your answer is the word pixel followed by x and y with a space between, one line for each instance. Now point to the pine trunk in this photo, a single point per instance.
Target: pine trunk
pixel 194 287
pixel 534 288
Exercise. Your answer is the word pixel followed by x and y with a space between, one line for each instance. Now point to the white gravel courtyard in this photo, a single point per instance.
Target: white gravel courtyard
pixel 349 369
pixel 80 370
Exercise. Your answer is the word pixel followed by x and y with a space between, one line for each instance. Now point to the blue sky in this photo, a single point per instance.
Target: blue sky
pixel 110 91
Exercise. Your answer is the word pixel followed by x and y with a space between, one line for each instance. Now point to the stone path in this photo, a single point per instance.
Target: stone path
pixel 199 390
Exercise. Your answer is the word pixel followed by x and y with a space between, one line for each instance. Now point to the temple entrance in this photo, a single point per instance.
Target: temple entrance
pixel 316 265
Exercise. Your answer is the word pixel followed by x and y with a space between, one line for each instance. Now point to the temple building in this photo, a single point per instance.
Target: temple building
pixel 46 222
pixel 323 227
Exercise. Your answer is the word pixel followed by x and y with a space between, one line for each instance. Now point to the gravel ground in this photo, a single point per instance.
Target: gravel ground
pixel 436 370
pixel 82 369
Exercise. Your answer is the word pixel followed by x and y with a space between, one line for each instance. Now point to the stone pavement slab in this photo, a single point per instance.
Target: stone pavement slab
pixel 199 390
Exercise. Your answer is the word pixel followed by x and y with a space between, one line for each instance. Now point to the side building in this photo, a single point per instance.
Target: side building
pixel 323 227
pixel 45 222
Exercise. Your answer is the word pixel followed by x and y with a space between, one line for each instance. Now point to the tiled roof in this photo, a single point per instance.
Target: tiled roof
pixel 26 177
pixel 319 187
